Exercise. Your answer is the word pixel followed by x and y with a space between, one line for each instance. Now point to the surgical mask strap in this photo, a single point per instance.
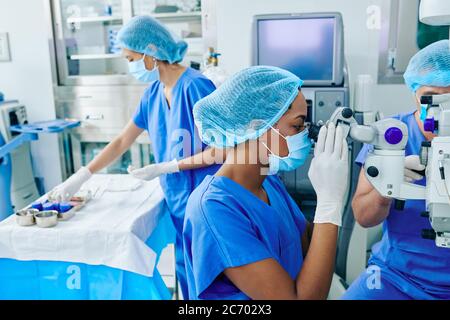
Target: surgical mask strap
pixel 279 133
pixel 156 65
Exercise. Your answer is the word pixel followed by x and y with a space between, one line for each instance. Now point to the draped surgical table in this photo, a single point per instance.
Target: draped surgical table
pixel 108 250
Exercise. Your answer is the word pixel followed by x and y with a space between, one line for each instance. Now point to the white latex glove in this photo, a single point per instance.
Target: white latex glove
pixel 68 188
pixel 413 163
pixel 329 174
pixel 153 171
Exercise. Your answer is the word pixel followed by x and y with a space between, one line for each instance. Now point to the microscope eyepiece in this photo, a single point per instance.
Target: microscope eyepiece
pixel 314 130
pixel 347 113
pixel 426 100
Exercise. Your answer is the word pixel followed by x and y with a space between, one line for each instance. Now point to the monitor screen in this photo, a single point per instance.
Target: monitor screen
pixel 304 46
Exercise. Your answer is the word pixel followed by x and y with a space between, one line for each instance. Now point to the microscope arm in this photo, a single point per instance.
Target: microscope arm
pixel 385 171
pixel 384 166
pixel 363 134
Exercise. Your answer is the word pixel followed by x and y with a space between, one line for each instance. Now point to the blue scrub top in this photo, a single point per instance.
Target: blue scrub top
pixel 174 136
pixel 228 226
pixel 416 262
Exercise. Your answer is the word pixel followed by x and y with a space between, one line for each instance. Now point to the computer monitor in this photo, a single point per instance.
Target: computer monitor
pixel 310 45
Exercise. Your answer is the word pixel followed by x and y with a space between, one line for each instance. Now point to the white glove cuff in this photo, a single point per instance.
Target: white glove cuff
pixel 172 167
pixel 329 212
pixel 84 174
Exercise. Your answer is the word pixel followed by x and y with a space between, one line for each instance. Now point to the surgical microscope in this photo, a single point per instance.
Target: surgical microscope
pixel 384 166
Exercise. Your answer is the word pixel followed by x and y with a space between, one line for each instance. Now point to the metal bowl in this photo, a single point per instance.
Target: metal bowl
pixel 46 219
pixel 26 217
pixel 64 216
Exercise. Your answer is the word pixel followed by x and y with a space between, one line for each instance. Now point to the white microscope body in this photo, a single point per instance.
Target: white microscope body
pixel 384 166
pixel 436 156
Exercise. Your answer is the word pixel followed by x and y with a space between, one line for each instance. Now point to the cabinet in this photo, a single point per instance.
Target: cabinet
pixel 85 32
pixel 91 81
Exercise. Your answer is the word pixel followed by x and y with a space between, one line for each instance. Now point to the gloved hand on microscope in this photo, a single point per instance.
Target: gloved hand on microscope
pixel 414 169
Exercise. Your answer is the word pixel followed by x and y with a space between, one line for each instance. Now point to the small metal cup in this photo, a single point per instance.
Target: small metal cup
pixel 25 217
pixel 64 216
pixel 46 219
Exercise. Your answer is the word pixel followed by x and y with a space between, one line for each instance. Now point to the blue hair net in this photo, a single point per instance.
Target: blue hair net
pixel 429 67
pixel 245 106
pixel 146 35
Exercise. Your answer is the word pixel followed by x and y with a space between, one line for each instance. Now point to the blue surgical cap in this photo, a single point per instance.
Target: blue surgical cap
pixel 146 35
pixel 429 67
pixel 245 106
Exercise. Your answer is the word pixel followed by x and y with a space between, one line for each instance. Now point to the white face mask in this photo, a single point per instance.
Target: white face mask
pixel 140 72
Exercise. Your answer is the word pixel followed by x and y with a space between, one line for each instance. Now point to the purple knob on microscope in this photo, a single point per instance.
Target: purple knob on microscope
pixel 393 135
pixel 429 125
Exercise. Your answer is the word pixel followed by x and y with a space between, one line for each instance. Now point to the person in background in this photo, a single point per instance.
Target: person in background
pixel 244 236
pixel 165 112
pixel 409 267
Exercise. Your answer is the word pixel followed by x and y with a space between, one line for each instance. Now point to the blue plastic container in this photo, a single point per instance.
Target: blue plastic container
pixel 50 206
pixel 37 206
pixel 64 207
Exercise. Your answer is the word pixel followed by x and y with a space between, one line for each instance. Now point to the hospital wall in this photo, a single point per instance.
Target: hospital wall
pixel 27 77
pixel 234 40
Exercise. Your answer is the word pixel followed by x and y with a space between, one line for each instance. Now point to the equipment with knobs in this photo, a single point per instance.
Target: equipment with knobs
pixel 23 186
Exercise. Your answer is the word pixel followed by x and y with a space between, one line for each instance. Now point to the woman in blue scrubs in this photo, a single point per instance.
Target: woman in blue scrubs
pixel 165 112
pixel 244 236
pixel 403 265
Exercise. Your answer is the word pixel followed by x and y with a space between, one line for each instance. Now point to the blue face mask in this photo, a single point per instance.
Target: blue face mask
pixel 140 72
pixel 299 146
